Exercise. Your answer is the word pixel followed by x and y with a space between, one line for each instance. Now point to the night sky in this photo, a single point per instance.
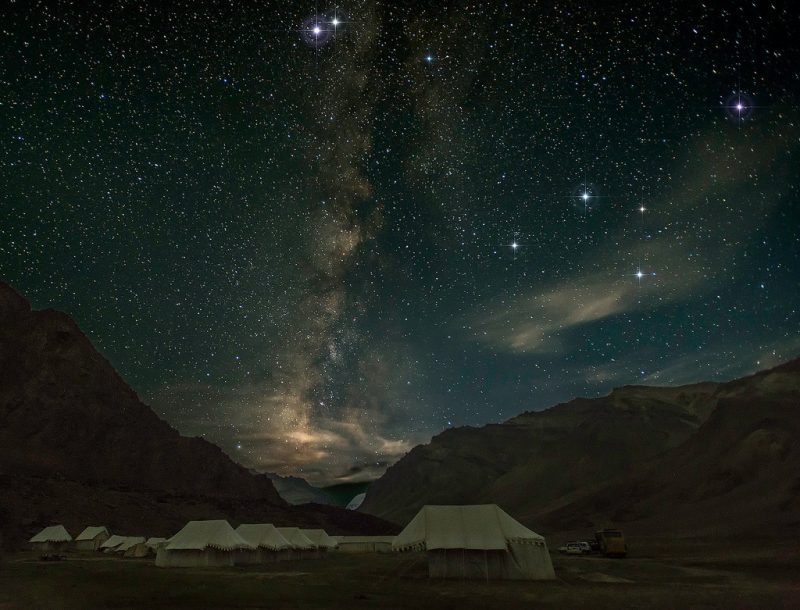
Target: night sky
pixel 319 234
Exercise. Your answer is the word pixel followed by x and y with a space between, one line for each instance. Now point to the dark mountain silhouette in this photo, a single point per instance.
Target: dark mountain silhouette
pixel 656 457
pixel 78 446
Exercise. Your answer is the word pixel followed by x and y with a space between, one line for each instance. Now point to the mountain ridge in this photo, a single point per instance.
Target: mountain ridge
pixel 539 462
pixel 77 445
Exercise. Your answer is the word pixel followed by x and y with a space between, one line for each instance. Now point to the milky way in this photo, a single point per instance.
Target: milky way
pixel 317 244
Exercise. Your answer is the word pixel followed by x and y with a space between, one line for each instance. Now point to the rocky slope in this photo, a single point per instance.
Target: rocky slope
pixel 737 475
pixel 296 490
pixel 556 469
pixel 76 442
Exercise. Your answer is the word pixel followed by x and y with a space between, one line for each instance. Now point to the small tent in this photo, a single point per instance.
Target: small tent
pixel 477 541
pixel 364 544
pixel 91 538
pixel 132 547
pixel 266 539
pixel 153 543
pixel 202 543
pixel 321 540
pixel 53 539
pixel 300 546
pixel 112 543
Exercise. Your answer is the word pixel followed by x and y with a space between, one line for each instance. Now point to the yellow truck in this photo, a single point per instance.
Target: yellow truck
pixel 611 543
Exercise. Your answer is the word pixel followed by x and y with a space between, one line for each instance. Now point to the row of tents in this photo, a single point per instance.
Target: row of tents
pixel 216 543
pixel 465 542
pixel 56 539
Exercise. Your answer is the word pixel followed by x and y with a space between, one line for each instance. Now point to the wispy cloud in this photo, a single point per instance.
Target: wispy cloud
pixel 686 256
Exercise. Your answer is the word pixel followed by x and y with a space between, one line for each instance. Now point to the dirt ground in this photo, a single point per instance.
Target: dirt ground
pixel 667 576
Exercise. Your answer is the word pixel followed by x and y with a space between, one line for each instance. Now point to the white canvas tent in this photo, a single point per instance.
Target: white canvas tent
pixel 269 544
pixel 130 542
pixel 51 539
pixel 153 543
pixel 299 545
pixel 476 541
pixel 91 538
pixel 321 539
pixel 364 544
pixel 112 543
pixel 202 543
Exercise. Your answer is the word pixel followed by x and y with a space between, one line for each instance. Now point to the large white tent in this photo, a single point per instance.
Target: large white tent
pixel 51 539
pixel 267 540
pixel 91 538
pixel 299 545
pixel 364 544
pixel 476 541
pixel 320 539
pixel 202 543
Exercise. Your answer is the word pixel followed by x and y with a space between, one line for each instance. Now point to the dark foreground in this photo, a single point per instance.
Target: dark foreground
pixel 667 577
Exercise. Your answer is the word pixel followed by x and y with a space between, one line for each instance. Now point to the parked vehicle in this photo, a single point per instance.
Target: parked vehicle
pixel 612 543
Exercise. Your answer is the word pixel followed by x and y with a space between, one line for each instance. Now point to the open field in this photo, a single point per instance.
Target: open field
pixel 672 577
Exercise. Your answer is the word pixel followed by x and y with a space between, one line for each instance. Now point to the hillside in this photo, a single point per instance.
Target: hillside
pixel 737 475
pixel 76 442
pixel 552 469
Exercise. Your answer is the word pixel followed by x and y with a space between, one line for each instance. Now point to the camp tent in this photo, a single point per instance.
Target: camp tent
pixel 321 540
pixel 153 543
pixel 202 543
pixel 267 541
pixel 300 547
pixel 112 543
pixel 51 539
pixel 91 538
pixel 364 544
pixel 131 547
pixel 477 541
pixel 138 550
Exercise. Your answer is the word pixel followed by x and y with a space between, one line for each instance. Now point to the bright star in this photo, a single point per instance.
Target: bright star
pixel 642 209
pixel 316 30
pixel 429 58
pixel 335 22
pixel 515 245
pixel 585 196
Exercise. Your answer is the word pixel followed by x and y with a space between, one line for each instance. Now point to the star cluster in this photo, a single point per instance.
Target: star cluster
pixel 319 234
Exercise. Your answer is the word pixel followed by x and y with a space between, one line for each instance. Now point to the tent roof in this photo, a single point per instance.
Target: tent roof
pixel 129 542
pixel 153 541
pixel 264 535
pixel 200 535
pixel 296 538
pixel 320 538
pixel 92 532
pixel 54 533
pixel 478 526
pixel 361 539
pixel 112 542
